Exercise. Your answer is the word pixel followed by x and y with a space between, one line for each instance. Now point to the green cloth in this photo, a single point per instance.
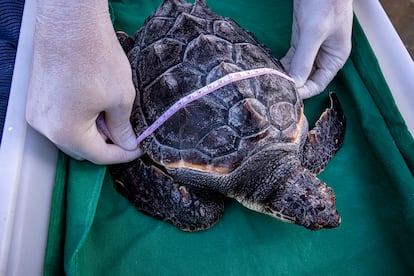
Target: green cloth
pixel 95 231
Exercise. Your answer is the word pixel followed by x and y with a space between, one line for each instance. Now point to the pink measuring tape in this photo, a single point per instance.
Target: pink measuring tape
pixel 215 85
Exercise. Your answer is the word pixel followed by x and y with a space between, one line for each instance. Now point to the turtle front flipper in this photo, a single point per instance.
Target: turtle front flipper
pixel 325 139
pixel 156 194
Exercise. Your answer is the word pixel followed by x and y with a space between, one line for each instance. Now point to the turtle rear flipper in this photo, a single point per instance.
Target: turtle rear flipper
pixel 156 194
pixel 325 139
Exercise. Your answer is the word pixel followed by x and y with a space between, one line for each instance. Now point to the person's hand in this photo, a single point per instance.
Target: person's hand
pixel 80 70
pixel 320 43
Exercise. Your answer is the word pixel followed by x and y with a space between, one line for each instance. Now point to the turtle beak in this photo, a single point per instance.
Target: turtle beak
pixel 322 221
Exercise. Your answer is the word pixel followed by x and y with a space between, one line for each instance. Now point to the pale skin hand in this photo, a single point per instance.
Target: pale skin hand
pixel 320 43
pixel 79 71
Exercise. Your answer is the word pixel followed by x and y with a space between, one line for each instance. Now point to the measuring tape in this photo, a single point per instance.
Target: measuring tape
pixel 215 85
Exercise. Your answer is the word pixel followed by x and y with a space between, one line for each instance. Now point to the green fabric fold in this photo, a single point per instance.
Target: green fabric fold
pixel 95 231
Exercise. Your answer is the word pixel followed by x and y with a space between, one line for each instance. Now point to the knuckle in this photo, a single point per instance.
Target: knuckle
pixel 126 98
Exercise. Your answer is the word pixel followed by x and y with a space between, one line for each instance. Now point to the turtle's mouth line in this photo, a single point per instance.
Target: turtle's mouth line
pixel 279 215
pixel 264 209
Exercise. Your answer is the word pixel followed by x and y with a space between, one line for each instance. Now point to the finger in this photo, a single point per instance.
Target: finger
pixel 106 154
pixel 328 63
pixel 95 149
pixel 91 146
pixel 122 133
pixel 304 57
pixel 287 59
pixel 117 120
pixel 309 89
pixel 317 82
pixel 319 79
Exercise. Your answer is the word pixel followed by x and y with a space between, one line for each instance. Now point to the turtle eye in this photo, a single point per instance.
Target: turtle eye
pixel 320 207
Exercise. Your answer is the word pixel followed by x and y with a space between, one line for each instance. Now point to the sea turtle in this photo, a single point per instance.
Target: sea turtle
pixel 248 140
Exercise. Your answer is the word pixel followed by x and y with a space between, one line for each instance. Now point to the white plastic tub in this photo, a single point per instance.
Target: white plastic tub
pixel 27 164
pixel 396 64
pixel 27 160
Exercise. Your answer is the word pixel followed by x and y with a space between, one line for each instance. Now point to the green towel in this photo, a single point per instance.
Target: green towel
pixel 95 231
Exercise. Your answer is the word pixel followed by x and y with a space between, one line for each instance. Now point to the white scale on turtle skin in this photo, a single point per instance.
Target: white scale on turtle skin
pixel 209 88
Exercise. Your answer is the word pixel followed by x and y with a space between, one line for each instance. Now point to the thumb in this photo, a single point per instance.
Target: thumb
pixel 307 48
pixel 120 129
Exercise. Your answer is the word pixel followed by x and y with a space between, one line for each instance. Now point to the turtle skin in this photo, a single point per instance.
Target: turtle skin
pixel 248 140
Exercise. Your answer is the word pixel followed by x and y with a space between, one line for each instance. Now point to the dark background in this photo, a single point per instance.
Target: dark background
pixel 401 13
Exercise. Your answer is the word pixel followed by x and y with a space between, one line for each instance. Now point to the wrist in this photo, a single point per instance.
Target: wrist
pixel 58 20
pixel 60 11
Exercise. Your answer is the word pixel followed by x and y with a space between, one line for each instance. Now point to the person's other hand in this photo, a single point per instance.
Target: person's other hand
pixel 320 43
pixel 80 70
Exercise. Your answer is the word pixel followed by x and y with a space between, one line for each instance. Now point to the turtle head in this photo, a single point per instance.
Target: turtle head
pixel 304 200
pixel 276 184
